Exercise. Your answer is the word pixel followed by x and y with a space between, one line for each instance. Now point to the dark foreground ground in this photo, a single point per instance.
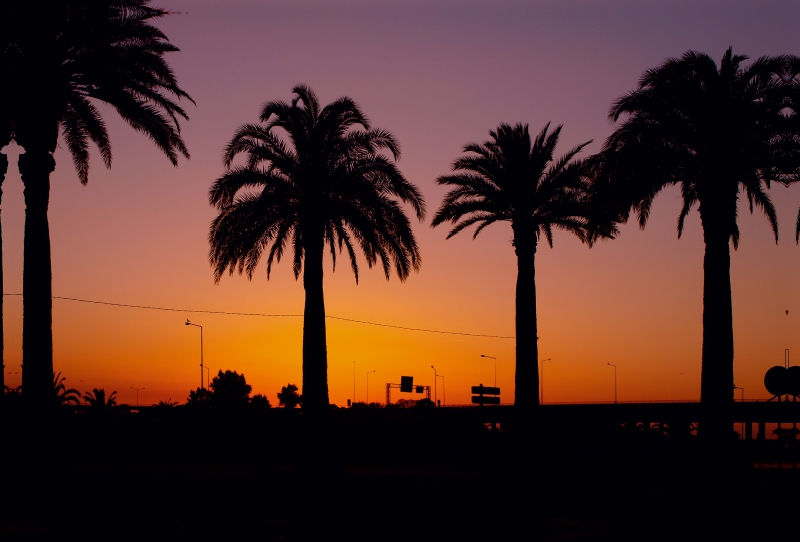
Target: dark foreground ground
pixel 380 476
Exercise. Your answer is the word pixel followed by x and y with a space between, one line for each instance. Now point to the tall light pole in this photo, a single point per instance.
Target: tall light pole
pixel 615 381
pixel 188 323
pixel 368 373
pixel 435 380
pixel 495 367
pixel 137 394
pixel 541 381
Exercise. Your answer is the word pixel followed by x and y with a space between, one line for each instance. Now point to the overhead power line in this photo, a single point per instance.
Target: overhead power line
pixel 227 313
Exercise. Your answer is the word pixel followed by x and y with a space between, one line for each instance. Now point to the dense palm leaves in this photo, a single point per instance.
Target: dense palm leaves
pixel 97 400
pixel 511 178
pixel 61 61
pixel 720 133
pixel 325 183
pixel 62 395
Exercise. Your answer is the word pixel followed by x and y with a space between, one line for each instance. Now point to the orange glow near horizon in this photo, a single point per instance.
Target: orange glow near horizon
pixel 437 77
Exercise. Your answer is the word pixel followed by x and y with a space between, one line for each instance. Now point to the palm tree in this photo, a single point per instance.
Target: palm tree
pixel 97 401
pixel 62 395
pixel 513 179
pixel 719 133
pixel 66 59
pixel 324 183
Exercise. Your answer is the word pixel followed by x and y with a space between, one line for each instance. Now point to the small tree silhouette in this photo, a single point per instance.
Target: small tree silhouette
pixel 96 399
pixel 288 396
pixel 199 397
pixel 229 390
pixel 260 402
pixel 62 395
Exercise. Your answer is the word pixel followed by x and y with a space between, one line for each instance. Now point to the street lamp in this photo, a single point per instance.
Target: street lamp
pixel 137 394
pixel 188 323
pixel 435 380
pixel 495 367
pixel 615 381
pixel 368 372
pixel 541 381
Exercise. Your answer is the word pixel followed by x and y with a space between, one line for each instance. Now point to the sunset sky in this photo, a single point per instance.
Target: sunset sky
pixel 438 74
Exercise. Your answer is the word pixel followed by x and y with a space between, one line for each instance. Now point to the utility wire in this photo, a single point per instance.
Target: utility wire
pixel 168 309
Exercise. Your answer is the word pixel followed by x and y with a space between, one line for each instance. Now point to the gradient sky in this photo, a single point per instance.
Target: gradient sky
pixel 438 74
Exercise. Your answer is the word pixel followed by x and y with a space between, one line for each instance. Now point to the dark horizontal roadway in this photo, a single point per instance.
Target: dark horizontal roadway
pixel 762 411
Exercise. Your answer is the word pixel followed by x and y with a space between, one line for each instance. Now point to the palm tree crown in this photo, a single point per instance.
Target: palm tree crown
pixel 312 177
pixel 720 133
pixel 94 51
pixel 515 179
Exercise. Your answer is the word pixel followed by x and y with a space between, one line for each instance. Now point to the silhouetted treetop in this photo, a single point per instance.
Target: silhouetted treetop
pixel 329 179
pixel 288 396
pixel 229 389
pixel 76 52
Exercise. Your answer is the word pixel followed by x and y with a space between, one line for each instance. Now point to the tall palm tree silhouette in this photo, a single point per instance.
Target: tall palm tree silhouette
pixel 511 178
pixel 325 183
pixel 66 58
pixel 719 133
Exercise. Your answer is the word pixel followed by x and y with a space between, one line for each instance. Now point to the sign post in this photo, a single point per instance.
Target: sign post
pixel 480 395
pixel 485 395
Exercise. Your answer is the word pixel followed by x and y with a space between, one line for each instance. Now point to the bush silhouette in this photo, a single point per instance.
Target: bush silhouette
pixel 288 396
pixel 229 391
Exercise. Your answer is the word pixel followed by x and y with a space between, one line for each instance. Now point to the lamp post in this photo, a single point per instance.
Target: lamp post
pixel 541 380
pixel 188 323
pixel 435 380
pixel 495 367
pixel 368 372
pixel 137 394
pixel 615 381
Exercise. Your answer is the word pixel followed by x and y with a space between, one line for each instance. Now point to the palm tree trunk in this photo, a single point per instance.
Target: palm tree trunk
pixel 716 381
pixel 315 350
pixel 526 390
pixel 3 170
pixel 37 316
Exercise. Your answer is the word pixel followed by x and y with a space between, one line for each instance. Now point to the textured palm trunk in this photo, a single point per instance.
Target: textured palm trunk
pixel 716 381
pixel 315 350
pixel 37 316
pixel 3 170
pixel 526 390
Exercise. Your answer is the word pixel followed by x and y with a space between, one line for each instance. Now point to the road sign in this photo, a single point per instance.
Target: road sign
pixel 407 384
pixel 481 400
pixel 485 390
